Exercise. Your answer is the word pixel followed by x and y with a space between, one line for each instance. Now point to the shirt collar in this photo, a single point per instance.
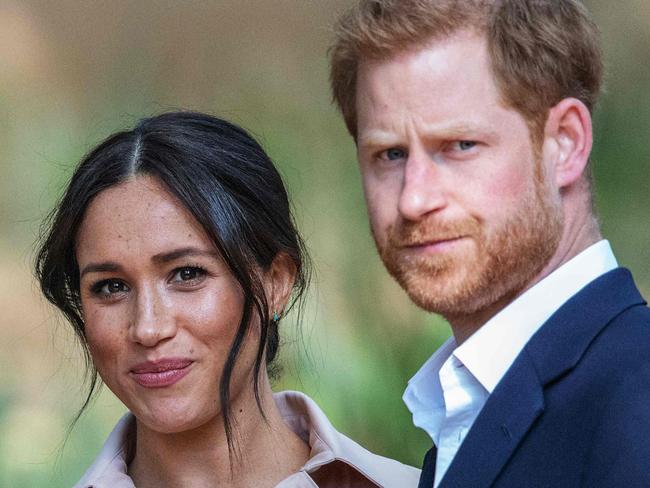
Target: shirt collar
pixel 424 396
pixel 491 350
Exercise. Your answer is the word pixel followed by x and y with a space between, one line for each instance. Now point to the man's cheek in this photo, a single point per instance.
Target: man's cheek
pixel 511 181
pixel 378 228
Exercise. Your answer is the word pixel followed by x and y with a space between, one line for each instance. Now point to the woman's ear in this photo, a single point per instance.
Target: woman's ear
pixel 568 140
pixel 279 281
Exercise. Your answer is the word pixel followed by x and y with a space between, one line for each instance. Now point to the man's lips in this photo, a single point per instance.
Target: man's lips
pixel 161 373
pixel 432 244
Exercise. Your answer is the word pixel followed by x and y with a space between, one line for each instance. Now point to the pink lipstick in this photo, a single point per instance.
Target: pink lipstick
pixel 161 373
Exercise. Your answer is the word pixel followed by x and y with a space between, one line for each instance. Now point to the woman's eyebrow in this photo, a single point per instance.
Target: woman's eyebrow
pixel 100 268
pixel 182 253
pixel 160 258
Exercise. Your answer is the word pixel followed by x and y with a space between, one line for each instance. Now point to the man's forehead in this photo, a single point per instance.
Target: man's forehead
pixel 436 89
pixel 431 71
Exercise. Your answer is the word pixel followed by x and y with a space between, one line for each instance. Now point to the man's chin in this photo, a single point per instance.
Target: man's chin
pixel 455 306
pixel 445 302
pixel 440 290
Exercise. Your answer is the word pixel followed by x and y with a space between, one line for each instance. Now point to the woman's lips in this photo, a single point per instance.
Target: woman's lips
pixel 162 373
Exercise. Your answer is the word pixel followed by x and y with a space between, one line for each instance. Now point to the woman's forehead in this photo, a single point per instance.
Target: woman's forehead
pixel 138 216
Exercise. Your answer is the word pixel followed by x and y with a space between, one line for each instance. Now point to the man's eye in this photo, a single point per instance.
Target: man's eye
pixel 465 145
pixel 393 154
pixel 107 288
pixel 189 273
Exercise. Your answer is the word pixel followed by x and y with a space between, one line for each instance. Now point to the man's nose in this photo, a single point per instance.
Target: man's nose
pixel 152 321
pixel 423 189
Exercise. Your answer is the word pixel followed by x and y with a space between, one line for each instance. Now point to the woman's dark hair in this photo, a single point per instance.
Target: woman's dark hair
pixel 231 187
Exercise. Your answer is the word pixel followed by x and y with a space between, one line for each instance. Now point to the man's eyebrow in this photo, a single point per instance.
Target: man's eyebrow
pixel 377 138
pixel 383 138
pixel 183 252
pixel 462 130
pixel 100 268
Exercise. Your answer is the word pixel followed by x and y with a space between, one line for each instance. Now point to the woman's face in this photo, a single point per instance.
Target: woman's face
pixel 160 306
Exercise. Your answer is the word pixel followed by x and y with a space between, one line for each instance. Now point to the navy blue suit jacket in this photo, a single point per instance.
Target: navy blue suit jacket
pixel 574 408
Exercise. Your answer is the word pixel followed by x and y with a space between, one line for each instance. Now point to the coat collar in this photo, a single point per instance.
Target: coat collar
pixel 518 399
pixel 307 420
pixel 563 340
pixel 109 468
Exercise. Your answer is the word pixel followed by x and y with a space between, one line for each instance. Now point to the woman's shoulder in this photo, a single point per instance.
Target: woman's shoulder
pixel 109 469
pixel 334 455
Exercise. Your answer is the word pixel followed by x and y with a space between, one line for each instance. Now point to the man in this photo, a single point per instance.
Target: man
pixel 472 120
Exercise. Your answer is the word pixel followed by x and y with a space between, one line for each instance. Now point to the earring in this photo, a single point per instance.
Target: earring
pixel 276 316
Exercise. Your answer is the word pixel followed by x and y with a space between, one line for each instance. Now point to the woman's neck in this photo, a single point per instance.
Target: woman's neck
pixel 266 451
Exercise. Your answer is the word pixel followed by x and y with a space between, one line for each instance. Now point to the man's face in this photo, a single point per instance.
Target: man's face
pixel 460 207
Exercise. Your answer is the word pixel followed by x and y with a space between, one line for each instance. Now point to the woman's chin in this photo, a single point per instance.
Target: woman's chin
pixel 170 419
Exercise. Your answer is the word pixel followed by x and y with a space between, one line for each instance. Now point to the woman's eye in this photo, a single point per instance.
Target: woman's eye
pixel 393 154
pixel 188 274
pixel 109 288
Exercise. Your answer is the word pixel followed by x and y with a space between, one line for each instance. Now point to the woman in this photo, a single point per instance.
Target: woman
pixel 174 256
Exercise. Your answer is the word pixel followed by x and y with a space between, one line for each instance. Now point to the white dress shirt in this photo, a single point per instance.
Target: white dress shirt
pixel 446 395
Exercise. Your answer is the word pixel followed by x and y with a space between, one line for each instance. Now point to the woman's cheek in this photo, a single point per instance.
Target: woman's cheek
pixel 104 334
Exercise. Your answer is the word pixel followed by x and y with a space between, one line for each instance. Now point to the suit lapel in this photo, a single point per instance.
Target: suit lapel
pixel 428 469
pixel 518 400
pixel 503 422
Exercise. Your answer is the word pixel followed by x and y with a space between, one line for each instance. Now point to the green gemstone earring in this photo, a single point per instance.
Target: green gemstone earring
pixel 276 317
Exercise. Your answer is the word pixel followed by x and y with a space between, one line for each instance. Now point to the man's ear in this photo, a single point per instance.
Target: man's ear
pixel 279 282
pixel 568 138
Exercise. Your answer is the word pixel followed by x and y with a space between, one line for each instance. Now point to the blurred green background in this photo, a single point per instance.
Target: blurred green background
pixel 71 72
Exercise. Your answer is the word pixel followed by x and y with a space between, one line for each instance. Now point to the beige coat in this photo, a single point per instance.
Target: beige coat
pixel 335 461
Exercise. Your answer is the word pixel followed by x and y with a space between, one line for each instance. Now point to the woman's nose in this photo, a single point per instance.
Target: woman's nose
pixel 152 320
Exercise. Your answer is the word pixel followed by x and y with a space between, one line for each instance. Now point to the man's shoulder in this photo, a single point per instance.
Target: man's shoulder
pixel 628 330
pixel 596 349
pixel 632 324
pixel 624 344
pixel 595 422
pixel 607 315
pixel 614 367
pixel 619 418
